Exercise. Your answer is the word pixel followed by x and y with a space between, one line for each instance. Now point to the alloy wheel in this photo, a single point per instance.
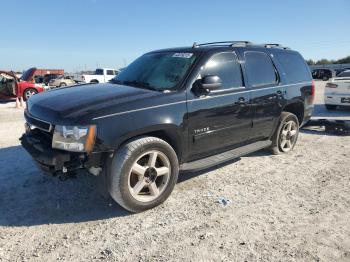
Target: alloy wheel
pixel 149 176
pixel 288 136
pixel 29 93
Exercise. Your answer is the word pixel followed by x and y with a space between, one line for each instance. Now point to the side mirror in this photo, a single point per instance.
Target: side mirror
pixel 206 84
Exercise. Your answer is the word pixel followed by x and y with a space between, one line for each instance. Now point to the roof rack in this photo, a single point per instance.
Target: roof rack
pixel 228 43
pixel 269 45
pixel 240 44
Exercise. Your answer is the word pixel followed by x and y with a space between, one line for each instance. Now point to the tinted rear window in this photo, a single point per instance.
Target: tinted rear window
pixel 260 69
pixel 294 66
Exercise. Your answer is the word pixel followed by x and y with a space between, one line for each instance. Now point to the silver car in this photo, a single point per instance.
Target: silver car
pixel 62 81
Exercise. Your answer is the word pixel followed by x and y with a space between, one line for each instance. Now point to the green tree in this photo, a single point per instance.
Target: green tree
pixel 345 60
pixel 324 61
pixel 310 62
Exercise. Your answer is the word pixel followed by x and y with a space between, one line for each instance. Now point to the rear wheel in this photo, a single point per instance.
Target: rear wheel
pixel 28 93
pixel 331 107
pixel 143 173
pixel 63 84
pixel 286 134
pixel 94 82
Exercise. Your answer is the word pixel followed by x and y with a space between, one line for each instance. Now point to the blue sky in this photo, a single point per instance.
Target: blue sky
pixel 79 34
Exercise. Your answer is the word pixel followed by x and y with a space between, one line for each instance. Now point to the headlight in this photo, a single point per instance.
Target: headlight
pixel 74 138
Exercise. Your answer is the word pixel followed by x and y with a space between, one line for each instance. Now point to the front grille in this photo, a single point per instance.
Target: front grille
pixel 35 122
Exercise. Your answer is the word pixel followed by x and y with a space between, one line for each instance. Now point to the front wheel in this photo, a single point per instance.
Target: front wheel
pixel 28 93
pixel 286 134
pixel 143 173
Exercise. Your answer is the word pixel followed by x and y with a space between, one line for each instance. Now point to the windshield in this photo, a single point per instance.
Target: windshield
pixel 158 71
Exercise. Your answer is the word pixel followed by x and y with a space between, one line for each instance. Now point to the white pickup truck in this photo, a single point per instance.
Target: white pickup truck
pixel 102 75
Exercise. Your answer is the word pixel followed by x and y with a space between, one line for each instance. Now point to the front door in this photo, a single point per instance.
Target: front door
pixel 222 119
pixel 7 85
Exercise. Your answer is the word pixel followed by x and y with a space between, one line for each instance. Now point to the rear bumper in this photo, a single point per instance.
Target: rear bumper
pixel 308 112
pixel 50 160
pixel 336 99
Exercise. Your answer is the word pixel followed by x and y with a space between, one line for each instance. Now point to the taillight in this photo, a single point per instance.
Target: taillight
pixel 312 92
pixel 331 85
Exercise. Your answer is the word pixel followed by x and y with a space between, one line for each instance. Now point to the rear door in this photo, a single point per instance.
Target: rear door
pixel 221 119
pixel 267 94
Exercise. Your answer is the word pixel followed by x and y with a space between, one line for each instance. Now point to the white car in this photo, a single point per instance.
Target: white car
pixel 102 75
pixel 337 91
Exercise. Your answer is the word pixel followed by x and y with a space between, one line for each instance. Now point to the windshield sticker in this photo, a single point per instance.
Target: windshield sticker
pixel 183 55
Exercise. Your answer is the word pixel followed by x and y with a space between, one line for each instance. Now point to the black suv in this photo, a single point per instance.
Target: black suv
pixel 323 74
pixel 173 109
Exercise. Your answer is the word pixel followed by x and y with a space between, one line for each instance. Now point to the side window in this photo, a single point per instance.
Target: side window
pixel 344 74
pixel 99 72
pixel 110 72
pixel 226 66
pixel 260 70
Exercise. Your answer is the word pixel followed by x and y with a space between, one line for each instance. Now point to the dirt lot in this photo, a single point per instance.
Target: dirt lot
pixel 283 208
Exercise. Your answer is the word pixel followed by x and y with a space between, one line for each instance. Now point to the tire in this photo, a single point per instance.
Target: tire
pixel 63 84
pixel 331 107
pixel 94 82
pixel 283 133
pixel 28 93
pixel 132 176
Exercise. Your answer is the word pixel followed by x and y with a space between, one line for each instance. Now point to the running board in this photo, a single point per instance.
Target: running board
pixel 224 157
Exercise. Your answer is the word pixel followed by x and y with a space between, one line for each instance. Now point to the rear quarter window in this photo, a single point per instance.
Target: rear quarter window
pixel 294 67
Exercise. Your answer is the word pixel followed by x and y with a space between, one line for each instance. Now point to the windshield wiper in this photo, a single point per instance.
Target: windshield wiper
pixel 140 84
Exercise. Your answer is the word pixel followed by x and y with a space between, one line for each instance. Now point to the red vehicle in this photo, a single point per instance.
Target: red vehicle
pixel 12 86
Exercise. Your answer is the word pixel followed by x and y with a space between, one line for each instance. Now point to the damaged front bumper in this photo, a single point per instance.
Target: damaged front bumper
pixel 51 161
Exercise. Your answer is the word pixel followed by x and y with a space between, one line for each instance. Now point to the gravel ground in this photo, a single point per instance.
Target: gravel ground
pixel 293 207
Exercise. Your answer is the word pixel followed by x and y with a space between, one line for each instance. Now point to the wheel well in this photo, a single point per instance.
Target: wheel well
pixel 29 88
pixel 170 139
pixel 296 109
pixel 94 81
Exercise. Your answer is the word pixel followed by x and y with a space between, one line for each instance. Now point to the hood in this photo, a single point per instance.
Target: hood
pixel 73 104
pixel 27 75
